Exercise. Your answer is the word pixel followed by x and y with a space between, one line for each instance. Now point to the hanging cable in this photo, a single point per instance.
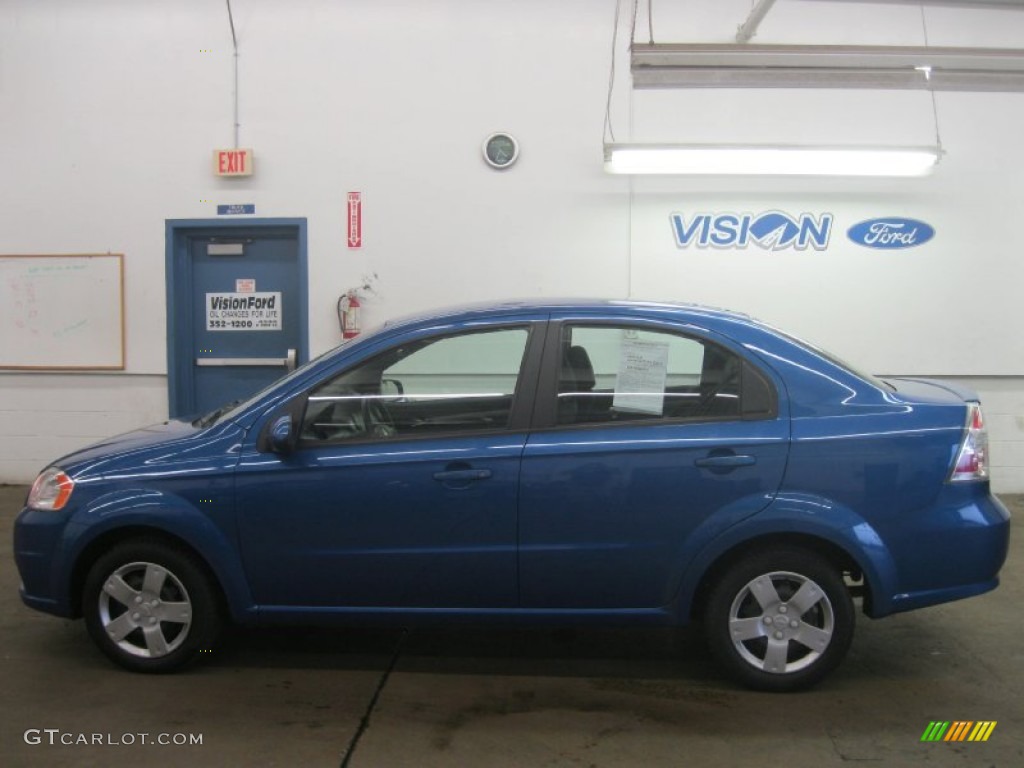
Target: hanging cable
pixel 234 43
pixel 609 132
pixel 650 21
pixel 931 87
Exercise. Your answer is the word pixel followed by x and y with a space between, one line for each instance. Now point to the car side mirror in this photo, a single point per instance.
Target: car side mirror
pixel 282 434
pixel 392 387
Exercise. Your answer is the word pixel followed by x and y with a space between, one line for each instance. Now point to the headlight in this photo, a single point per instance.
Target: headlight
pixel 51 490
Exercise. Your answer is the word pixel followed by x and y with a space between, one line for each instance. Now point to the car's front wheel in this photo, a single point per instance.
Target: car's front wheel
pixel 780 620
pixel 150 606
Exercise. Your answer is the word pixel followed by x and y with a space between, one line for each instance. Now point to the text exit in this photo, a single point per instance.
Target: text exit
pixel 232 162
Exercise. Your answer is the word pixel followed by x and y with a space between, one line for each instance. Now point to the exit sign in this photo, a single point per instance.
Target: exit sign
pixel 232 162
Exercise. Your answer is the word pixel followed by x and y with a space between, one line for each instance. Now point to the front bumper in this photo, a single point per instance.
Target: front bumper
pixel 37 553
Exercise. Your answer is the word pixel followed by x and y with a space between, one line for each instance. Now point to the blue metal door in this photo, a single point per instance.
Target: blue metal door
pixel 236 311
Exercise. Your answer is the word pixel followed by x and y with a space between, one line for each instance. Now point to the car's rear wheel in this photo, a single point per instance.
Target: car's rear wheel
pixel 150 606
pixel 780 620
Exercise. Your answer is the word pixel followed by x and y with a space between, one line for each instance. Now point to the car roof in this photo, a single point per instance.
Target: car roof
pixel 623 307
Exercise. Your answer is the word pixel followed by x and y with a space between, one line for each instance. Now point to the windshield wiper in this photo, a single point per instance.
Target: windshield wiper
pixel 211 418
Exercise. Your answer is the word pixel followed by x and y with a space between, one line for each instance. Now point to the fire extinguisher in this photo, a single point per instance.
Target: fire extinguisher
pixel 348 315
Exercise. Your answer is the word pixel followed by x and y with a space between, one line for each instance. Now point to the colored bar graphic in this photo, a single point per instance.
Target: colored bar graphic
pixel 958 730
pixel 982 731
pixel 935 731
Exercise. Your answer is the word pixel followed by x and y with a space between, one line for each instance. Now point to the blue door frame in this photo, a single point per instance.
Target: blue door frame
pixel 179 234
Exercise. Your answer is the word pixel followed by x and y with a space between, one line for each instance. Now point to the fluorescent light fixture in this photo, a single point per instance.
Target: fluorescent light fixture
pixel 768 160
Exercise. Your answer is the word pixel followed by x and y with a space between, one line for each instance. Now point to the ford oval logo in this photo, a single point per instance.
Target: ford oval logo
pixel 890 233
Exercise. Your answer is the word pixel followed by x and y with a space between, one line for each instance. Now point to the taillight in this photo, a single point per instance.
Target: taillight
pixel 972 459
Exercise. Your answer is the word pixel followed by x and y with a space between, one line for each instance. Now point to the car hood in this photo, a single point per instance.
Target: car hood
pixel 150 446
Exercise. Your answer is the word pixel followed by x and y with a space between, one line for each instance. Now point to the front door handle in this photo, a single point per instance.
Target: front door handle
pixel 725 462
pixel 462 475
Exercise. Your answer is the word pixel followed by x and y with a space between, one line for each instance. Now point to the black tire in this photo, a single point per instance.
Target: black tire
pixel 761 637
pixel 150 606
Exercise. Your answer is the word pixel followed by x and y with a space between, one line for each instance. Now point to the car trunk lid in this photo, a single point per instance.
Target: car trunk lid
pixel 932 390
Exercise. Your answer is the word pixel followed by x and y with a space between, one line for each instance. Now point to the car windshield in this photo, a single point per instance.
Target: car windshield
pixel 213 416
pixel 230 410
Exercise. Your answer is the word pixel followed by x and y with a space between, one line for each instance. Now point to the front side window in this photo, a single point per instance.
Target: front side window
pixel 451 384
pixel 612 374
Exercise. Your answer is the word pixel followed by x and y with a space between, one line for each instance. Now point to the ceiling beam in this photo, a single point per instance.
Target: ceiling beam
pixel 680 65
pixel 1012 5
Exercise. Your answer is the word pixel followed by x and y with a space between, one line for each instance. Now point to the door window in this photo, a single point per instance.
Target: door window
pixel 614 373
pixel 428 387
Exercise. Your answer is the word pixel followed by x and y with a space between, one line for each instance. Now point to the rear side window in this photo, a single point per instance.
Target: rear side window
pixel 615 373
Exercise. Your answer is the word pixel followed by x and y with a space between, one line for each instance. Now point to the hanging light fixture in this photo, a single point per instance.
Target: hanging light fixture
pixel 768 160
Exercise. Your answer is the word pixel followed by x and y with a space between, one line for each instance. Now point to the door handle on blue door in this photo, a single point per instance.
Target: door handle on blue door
pixel 457 475
pixel 725 462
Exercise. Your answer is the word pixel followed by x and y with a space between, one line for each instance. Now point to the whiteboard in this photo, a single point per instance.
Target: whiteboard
pixel 62 312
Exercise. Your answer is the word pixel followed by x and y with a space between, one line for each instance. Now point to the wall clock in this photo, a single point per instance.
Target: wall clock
pixel 501 150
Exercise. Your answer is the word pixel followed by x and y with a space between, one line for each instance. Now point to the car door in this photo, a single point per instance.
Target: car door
pixel 402 490
pixel 656 440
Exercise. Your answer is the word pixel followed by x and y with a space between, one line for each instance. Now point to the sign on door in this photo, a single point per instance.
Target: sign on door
pixel 243 311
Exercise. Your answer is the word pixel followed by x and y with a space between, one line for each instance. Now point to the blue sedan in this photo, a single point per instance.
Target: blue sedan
pixel 618 463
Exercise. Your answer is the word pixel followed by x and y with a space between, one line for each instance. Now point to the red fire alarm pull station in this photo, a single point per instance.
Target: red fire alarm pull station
pixel 232 162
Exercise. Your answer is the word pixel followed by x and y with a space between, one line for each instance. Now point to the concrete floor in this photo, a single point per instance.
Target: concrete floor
pixel 484 697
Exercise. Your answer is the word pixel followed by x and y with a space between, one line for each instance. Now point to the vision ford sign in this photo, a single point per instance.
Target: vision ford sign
pixel 890 233
pixel 771 230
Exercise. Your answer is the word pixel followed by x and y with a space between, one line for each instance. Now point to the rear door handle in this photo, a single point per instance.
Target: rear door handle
pixel 462 475
pixel 726 461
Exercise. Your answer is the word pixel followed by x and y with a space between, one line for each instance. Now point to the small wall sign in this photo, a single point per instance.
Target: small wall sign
pixel 354 217
pixel 232 162
pixel 237 209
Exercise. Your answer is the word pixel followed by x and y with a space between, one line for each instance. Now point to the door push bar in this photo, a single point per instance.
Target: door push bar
pixel 269 362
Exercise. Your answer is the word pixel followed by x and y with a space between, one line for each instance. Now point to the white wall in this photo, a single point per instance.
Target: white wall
pixel 110 110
